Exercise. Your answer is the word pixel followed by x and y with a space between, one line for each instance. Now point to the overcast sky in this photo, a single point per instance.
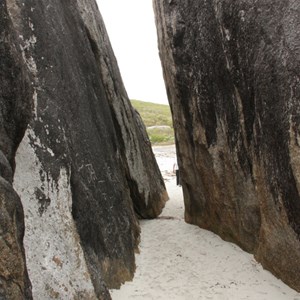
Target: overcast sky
pixel 131 28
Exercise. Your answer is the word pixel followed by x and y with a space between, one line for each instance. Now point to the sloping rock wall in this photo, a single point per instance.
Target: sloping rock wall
pixel 231 70
pixel 148 196
pixel 85 163
pixel 15 111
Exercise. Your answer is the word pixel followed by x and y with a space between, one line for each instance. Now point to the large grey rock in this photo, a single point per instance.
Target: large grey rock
pixel 85 167
pixel 231 70
pixel 148 195
pixel 15 111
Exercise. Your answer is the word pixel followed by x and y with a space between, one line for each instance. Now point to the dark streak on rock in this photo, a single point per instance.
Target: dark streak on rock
pixel 233 85
pixel 15 113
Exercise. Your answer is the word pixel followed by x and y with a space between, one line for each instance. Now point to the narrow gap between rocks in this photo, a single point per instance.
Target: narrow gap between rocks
pixel 178 260
pixel 181 261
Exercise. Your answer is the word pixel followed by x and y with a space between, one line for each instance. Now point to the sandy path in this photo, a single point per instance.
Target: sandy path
pixel 181 261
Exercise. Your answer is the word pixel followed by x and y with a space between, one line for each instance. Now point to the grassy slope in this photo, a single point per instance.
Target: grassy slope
pixel 156 115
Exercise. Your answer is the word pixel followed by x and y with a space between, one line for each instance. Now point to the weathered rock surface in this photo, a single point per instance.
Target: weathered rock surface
pixel 148 196
pixel 231 70
pixel 85 163
pixel 15 111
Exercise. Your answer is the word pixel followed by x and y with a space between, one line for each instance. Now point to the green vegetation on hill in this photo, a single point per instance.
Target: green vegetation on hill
pixel 158 121
pixel 153 114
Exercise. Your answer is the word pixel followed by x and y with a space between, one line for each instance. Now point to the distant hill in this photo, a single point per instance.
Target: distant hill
pixel 158 121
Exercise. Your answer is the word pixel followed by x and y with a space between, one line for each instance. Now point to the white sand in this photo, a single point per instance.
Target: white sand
pixel 181 261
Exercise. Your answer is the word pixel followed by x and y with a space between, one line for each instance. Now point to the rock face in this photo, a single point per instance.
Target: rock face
pixel 231 70
pixel 148 196
pixel 84 168
pixel 15 111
